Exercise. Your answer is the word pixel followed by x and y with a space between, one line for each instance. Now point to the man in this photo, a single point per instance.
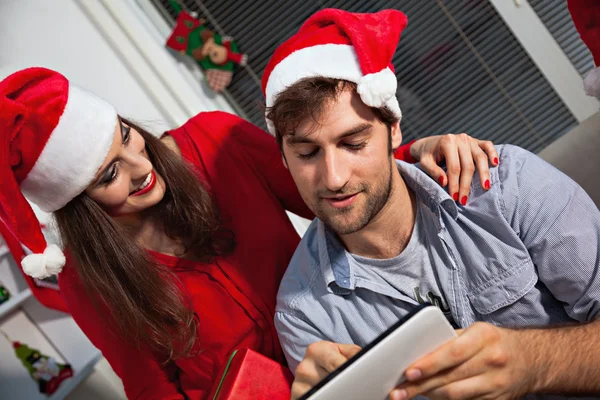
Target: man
pixel 521 252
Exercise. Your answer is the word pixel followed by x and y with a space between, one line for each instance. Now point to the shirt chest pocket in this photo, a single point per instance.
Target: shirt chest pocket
pixel 504 289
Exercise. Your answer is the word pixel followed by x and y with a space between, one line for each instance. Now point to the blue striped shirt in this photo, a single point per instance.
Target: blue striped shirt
pixel 525 253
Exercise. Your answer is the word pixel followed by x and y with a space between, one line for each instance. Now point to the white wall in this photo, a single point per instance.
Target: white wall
pixel 57 34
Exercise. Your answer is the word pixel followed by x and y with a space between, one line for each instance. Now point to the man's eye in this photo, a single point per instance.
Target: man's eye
pixel 309 155
pixel 355 146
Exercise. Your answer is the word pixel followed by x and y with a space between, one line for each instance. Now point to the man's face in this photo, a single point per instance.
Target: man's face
pixel 342 164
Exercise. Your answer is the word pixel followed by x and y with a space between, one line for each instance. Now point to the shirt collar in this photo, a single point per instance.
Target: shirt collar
pixel 337 270
pixel 427 190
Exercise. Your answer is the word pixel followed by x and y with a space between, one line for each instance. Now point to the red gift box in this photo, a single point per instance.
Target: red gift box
pixel 250 375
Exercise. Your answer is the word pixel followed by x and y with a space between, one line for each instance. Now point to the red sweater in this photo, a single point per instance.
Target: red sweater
pixel 234 297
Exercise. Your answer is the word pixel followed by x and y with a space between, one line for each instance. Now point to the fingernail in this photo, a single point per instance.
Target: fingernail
pixel 413 374
pixel 496 160
pixel 398 394
pixel 463 201
pixel 487 184
pixel 441 180
pixel 455 196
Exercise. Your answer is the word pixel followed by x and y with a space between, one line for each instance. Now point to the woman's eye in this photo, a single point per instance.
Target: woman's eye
pixel 126 134
pixel 112 175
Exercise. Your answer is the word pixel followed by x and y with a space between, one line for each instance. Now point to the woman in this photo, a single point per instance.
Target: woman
pixel 177 245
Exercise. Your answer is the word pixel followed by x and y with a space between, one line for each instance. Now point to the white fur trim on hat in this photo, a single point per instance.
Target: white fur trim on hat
pixel 41 266
pixel 591 83
pixel 74 152
pixel 337 61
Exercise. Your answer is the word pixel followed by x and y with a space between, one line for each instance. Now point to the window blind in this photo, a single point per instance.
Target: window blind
pixel 459 67
pixel 555 16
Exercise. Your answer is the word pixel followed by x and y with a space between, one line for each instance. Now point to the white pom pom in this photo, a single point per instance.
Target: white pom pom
pixel 591 83
pixel 376 89
pixel 34 265
pixel 44 265
pixel 55 259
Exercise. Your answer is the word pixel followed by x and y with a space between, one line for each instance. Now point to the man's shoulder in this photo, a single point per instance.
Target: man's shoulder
pixel 512 154
pixel 522 168
pixel 304 274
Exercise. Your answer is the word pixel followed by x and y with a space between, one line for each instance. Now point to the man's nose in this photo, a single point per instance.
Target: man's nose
pixel 335 170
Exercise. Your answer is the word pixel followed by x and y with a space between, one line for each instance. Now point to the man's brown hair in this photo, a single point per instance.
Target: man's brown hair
pixel 306 99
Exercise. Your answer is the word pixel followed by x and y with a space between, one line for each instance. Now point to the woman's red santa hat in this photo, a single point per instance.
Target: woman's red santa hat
pixel 586 16
pixel 339 44
pixel 54 137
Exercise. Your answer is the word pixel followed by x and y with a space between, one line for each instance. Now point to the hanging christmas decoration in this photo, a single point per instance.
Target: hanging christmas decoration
pixel 4 294
pixel 217 55
pixel 48 373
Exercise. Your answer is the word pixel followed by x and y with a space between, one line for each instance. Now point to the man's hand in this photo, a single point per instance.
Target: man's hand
pixel 461 153
pixel 484 361
pixel 321 358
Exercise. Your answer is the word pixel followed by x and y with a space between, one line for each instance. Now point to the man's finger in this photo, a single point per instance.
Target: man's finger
pixel 299 389
pixel 348 350
pixel 326 355
pixel 465 370
pixel 449 355
pixel 474 387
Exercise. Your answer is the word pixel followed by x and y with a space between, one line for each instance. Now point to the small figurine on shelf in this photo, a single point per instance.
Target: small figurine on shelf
pixel 4 294
pixel 216 54
pixel 43 369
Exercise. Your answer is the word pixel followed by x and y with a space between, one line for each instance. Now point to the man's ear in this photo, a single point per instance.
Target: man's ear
pixel 396 135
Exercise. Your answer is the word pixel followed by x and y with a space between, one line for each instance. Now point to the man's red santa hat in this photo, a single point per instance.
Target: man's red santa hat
pixel 54 137
pixel 586 16
pixel 339 44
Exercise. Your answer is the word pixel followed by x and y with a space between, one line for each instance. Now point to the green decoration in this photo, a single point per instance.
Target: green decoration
pixel 48 373
pixel 217 55
pixel 4 294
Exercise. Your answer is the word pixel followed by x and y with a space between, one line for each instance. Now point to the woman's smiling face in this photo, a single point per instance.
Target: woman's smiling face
pixel 126 183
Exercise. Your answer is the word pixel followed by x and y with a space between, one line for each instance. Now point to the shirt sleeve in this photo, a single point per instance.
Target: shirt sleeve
pixel 142 375
pixel 295 335
pixel 403 153
pixel 560 226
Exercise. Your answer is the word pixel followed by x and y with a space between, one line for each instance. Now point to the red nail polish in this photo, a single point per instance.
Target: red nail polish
pixel 441 180
pixel 455 196
pixel 463 201
pixel 487 184
pixel 496 160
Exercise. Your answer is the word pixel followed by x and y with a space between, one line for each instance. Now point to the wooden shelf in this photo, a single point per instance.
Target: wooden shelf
pixel 14 302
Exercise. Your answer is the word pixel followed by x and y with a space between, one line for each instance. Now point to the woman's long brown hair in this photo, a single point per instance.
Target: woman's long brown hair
pixel 145 299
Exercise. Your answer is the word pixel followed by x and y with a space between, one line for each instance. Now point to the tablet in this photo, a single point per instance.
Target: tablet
pixel 379 367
